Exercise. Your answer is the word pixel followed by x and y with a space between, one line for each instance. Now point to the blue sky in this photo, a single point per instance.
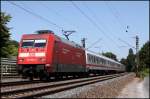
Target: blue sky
pixel 112 18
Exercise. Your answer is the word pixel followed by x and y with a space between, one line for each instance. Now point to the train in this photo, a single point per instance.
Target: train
pixel 44 55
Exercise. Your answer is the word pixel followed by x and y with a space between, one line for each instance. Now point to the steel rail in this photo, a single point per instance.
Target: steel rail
pixel 55 87
pixel 17 83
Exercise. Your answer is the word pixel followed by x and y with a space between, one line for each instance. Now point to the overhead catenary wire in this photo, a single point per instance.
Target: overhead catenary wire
pixel 94 43
pixel 121 24
pixel 126 43
pixel 36 15
pixel 93 22
pixel 96 25
pixel 58 14
pixel 101 23
pixel 112 9
pixel 94 15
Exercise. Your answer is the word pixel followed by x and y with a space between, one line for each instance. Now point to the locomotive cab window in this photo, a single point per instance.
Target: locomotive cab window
pixel 40 43
pixel 27 43
pixel 33 43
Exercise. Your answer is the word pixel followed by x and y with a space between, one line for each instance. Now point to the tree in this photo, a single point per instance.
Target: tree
pixel 5 35
pixel 110 55
pixel 8 47
pixel 123 61
pixel 130 61
pixel 13 48
pixel 13 42
pixel 144 56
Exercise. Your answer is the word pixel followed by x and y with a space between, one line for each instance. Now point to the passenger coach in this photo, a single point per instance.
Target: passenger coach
pixel 100 64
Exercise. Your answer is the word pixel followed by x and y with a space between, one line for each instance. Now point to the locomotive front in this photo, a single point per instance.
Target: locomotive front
pixel 34 55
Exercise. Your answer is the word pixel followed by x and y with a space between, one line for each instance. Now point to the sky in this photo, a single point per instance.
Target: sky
pixel 103 22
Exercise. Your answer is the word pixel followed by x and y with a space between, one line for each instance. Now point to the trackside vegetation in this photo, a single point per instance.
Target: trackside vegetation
pixel 144 61
pixel 8 47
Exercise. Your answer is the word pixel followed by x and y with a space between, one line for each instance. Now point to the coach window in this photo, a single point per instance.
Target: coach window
pixel 100 61
pixel 107 62
pixel 89 58
pixel 93 59
pixel 104 61
pixel 97 60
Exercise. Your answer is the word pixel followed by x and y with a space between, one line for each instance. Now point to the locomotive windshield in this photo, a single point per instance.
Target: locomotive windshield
pixel 40 43
pixel 33 43
pixel 27 43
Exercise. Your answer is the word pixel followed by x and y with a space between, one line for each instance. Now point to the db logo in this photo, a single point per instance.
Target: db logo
pixel 32 54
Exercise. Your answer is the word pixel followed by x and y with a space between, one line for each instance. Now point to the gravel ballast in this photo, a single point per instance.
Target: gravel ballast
pixel 105 89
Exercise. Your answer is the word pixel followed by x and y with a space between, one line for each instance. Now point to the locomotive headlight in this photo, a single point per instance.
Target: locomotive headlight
pixel 21 60
pixel 42 59
pixel 47 65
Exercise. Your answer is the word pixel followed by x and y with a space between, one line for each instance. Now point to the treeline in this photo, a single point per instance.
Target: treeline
pixel 130 60
pixel 144 61
pixel 8 47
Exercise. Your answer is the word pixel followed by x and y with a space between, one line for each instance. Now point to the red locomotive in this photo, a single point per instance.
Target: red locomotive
pixel 46 54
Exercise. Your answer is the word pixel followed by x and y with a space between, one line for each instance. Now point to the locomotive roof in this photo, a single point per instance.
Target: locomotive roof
pixel 72 43
pixel 99 55
pixel 44 31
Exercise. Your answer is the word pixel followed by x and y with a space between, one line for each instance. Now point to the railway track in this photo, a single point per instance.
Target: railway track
pixel 39 89
pixel 17 83
pixel 23 82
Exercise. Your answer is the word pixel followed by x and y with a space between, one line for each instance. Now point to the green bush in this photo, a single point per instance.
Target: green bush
pixel 143 73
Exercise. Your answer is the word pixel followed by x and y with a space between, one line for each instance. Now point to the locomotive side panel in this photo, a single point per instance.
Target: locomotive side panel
pixel 49 53
pixel 68 58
